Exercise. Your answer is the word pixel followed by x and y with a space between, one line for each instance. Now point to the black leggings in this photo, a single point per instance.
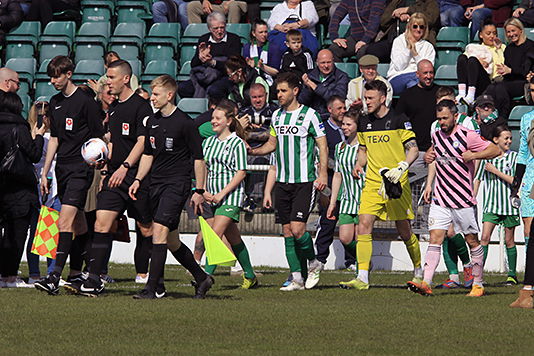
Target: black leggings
pixel 503 93
pixel 472 73
pixel 143 249
pixel 12 240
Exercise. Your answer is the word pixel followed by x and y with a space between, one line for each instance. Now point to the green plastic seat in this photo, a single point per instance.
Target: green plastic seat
pixel 164 34
pixel 50 50
pixel 25 67
pixel 452 37
pixel 446 75
pixel 185 70
pixel 94 32
pixel 518 111
pixel 90 67
pixel 156 68
pixel 125 51
pixel 343 31
pixel 59 32
pixel 187 53
pixel 158 52
pixel 96 14
pixel 382 69
pixel 193 106
pixel 88 51
pixel 193 32
pixel 130 15
pixel 350 68
pixel 41 71
pixel 44 88
pixel 19 50
pixel 26 32
pixel 240 29
pixel 136 66
pixel 25 104
pixel 129 33
pixel 448 56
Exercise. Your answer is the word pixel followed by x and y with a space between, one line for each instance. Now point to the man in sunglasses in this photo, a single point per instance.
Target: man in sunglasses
pixel 9 80
pixel 487 116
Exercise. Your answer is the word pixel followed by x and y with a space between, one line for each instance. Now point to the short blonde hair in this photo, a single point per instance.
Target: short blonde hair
pixel 512 21
pixel 165 81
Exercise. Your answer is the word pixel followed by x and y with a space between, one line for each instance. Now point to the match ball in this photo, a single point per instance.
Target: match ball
pixel 95 151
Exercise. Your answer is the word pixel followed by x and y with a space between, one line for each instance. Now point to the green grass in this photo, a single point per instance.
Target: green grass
pixel 387 319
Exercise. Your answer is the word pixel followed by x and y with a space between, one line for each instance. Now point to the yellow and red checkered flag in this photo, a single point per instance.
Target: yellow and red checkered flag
pixel 47 233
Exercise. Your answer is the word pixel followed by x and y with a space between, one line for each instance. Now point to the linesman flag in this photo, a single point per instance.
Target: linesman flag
pixel 216 251
pixel 47 233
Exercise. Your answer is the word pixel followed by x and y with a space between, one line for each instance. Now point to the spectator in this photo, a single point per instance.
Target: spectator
pixel 207 66
pixel 393 21
pixel 9 80
pixel 292 15
pixel 364 19
pixel 355 96
pixel 10 17
pixel 486 116
pixel 477 11
pixel 232 8
pixel 143 93
pixel 297 59
pixel 518 62
pixel 525 13
pixel 479 64
pixel 43 10
pixel 110 57
pixel 241 77
pixel 170 11
pixel 408 50
pixel 451 13
pixel 323 82
pixel 18 190
pixel 257 51
pixel 419 104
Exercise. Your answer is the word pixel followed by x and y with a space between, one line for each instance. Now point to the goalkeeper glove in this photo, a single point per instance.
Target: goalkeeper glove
pixel 394 175
pixel 382 189
pixel 389 190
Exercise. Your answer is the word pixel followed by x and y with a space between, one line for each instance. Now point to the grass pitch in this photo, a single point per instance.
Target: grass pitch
pixel 385 320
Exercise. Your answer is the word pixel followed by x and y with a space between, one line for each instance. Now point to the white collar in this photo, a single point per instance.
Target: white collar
pixel 224 39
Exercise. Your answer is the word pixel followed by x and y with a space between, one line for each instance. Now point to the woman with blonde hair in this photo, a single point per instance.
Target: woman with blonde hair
pixel 408 49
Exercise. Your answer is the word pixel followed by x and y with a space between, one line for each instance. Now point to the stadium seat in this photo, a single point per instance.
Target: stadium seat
pixel 94 31
pixel 530 33
pixel 164 34
pixel 158 52
pixel 446 75
pixel 19 50
pixel 127 39
pixel 350 68
pixel 187 53
pixel 343 30
pixel 25 67
pixel 156 68
pixel 50 50
pixel 193 32
pixel 88 51
pixel 452 37
pixel 448 56
pixel 193 106
pixel 136 66
pixel 59 32
pixel 185 70
pixel 125 51
pixel 240 29
pixel 382 69
pixel 518 111
pixel 41 71
pixel 132 11
pixel 97 10
pixel 25 104
pixel 44 88
pixel 90 67
pixel 26 32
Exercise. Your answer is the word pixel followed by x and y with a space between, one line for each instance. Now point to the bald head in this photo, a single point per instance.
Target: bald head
pixel 9 80
pixel 325 62
pixel 425 73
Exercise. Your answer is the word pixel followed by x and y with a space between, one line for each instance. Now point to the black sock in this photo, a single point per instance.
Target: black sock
pixel 78 252
pixel 157 265
pixel 186 259
pixel 63 248
pixel 142 253
pixel 99 251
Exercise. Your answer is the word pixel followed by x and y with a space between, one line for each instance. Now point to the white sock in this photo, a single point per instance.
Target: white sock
pixel 454 277
pixel 471 93
pixel 418 272
pixel 363 276
pixel 297 277
pixel 461 90
pixel 468 265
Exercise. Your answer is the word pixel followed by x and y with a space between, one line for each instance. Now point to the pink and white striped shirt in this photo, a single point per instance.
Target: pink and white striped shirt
pixel 454 177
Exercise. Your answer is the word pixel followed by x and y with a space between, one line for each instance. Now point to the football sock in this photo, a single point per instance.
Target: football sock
pixel 364 251
pixel 351 249
pixel 471 94
pixel 511 254
pixel 291 254
pixel 477 259
pixel 433 254
pixel 78 251
pixel 450 257
pixel 305 244
pixel 157 265
pixel 303 263
pixel 241 252
pixel 297 277
pixel 210 269
pixel 99 249
pixel 363 275
pixel 143 246
pixel 412 245
pixel 462 90
pixel 461 248
pixel 185 257
pixel 63 248
pixel 485 248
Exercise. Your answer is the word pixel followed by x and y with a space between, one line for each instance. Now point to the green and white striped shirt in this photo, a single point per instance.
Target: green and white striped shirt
pixel 496 193
pixel 223 160
pixel 351 188
pixel 295 132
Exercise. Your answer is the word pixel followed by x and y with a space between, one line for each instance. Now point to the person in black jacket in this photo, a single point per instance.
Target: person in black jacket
pixel 10 17
pixel 17 197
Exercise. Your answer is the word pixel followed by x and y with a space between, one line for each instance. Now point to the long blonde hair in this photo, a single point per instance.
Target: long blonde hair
pixel 512 21
pixel 38 108
pixel 417 18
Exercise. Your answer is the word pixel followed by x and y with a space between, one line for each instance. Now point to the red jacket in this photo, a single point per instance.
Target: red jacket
pixel 501 9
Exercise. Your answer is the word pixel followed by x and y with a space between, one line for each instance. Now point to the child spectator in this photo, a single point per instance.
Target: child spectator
pixel 296 59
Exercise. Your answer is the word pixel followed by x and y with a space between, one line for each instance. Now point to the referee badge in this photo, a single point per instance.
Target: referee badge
pixel 125 128
pixel 169 143
pixel 153 142
pixel 69 123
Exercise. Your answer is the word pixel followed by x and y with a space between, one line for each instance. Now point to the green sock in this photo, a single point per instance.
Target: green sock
pixel 303 263
pixel 485 248
pixel 449 256
pixel 209 269
pixel 511 253
pixel 291 255
pixel 241 252
pixel 305 244
pixel 351 248
pixel 461 248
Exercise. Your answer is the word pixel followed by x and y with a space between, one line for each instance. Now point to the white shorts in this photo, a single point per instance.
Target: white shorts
pixel 464 220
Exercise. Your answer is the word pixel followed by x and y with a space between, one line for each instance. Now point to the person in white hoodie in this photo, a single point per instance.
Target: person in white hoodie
pixel 408 49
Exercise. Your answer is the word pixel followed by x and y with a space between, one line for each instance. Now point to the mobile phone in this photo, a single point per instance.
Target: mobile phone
pixel 40 120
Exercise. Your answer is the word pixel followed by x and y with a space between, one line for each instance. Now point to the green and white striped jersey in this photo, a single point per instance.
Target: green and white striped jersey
pixel 295 154
pixel 351 188
pixel 466 121
pixel 223 160
pixel 496 192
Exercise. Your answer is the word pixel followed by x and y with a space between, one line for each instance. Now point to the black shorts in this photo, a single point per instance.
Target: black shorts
pixel 168 200
pixel 293 201
pixel 73 182
pixel 117 199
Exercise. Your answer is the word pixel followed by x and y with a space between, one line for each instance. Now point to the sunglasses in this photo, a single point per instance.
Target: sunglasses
pixel 415 27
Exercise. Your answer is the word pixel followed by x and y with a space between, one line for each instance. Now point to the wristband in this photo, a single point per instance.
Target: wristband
pixel 104 173
pixel 137 179
pixel 199 191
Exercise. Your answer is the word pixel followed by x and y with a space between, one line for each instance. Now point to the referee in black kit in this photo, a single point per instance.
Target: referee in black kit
pixel 172 151
pixel 74 118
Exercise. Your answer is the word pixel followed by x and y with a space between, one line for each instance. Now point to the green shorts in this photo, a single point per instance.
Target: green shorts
pixel 230 211
pixel 506 220
pixel 345 219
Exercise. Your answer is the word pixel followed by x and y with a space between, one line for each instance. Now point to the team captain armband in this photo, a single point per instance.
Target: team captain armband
pixel 272 132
